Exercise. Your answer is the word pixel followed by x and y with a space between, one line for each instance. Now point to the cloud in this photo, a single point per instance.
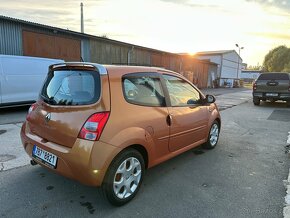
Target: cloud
pixel 271 35
pixel 194 5
pixel 215 5
pixel 280 4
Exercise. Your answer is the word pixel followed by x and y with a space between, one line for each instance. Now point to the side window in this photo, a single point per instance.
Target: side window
pixel 181 93
pixel 142 89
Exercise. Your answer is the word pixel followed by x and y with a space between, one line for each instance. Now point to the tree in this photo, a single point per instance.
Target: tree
pixel 252 67
pixel 286 68
pixel 105 36
pixel 277 59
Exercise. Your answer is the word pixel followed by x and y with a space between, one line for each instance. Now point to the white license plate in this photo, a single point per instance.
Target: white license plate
pixel 272 94
pixel 45 157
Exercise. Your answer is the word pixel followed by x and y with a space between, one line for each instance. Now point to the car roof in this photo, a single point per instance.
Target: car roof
pixel 114 69
pixel 136 69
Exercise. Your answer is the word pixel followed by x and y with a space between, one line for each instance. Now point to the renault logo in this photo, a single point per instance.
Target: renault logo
pixel 48 117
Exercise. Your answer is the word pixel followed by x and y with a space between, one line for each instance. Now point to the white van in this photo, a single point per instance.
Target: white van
pixel 21 78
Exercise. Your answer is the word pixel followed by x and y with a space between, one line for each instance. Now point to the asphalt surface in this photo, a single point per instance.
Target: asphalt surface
pixel 242 177
pixel 13 114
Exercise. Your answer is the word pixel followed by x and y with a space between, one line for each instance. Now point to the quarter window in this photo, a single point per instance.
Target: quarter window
pixel 181 93
pixel 142 89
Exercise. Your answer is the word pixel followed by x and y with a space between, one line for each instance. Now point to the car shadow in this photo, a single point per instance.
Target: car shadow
pixel 277 104
pixel 48 191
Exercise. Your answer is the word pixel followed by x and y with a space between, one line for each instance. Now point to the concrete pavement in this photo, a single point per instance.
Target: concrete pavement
pixel 12 154
pixel 241 178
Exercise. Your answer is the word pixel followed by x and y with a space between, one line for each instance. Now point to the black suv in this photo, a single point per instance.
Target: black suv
pixel 272 87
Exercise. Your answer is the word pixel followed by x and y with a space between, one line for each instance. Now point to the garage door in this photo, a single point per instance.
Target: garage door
pixel 49 46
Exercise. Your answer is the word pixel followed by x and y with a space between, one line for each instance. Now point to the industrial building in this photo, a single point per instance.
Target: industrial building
pixel 229 66
pixel 250 75
pixel 19 37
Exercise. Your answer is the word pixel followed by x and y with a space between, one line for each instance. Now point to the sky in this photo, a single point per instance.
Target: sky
pixel 178 26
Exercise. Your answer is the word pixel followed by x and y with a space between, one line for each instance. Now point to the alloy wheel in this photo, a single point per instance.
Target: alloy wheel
pixel 127 178
pixel 214 134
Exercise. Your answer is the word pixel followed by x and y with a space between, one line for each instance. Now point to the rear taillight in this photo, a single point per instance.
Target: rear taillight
pixel 32 108
pixel 254 86
pixel 94 126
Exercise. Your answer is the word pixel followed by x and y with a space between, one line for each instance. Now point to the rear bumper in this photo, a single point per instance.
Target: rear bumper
pixel 272 95
pixel 86 162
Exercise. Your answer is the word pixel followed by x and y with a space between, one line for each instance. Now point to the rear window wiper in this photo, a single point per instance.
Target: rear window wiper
pixel 49 100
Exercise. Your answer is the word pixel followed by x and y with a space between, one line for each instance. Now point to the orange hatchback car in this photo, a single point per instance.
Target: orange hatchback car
pixel 104 125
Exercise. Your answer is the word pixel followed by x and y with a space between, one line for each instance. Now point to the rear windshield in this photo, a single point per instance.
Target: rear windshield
pixel 71 87
pixel 274 76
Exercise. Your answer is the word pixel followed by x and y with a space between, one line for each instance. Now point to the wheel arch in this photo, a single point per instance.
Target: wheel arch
pixel 219 122
pixel 142 150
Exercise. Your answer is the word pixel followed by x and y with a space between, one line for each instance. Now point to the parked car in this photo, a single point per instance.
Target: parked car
pixel 104 125
pixel 272 87
pixel 21 78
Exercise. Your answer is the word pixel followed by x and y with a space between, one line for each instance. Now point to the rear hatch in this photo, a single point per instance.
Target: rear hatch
pixel 273 82
pixel 70 95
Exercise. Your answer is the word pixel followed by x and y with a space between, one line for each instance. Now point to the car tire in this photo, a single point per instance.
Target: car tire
pixel 256 101
pixel 287 103
pixel 124 177
pixel 213 136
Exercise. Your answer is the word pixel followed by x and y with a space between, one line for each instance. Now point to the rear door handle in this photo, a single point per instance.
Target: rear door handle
pixel 169 119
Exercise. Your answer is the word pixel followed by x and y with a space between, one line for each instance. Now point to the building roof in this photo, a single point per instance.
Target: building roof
pixel 252 71
pixel 207 61
pixel 214 52
pixel 84 35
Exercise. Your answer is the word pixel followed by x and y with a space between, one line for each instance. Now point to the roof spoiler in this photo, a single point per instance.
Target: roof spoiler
pixel 98 67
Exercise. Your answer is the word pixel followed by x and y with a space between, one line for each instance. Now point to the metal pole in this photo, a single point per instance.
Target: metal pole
pixel 238 63
pixel 129 58
pixel 239 59
pixel 82 18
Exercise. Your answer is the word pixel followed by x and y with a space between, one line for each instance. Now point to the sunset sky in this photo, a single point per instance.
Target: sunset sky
pixel 170 25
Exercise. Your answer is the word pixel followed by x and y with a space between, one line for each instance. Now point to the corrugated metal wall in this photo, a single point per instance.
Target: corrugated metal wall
pixel 51 46
pixel 85 50
pixel 103 51
pixel 142 57
pixel 195 71
pixel 107 53
pixel 10 38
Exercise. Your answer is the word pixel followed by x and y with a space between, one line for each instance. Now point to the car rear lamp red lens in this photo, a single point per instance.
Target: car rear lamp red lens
pixel 94 126
pixel 254 86
pixel 31 108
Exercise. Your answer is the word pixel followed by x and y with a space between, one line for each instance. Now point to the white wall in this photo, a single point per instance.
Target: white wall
pixel 249 75
pixel 231 63
pixel 213 58
pixel 229 66
pixel 229 69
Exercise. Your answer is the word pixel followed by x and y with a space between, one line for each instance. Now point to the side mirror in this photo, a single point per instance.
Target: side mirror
pixel 191 101
pixel 210 99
